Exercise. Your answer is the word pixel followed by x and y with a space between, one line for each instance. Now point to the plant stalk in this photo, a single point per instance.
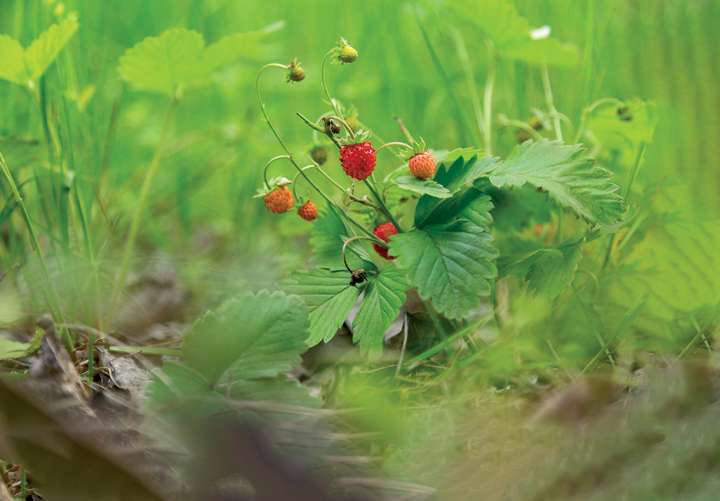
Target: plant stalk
pixel 141 203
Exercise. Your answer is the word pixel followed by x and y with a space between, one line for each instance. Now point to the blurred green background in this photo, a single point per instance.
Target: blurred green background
pixel 201 206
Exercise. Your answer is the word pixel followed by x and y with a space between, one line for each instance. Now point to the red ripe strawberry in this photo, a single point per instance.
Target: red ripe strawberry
pixel 384 232
pixel 423 165
pixel 358 160
pixel 308 211
pixel 279 200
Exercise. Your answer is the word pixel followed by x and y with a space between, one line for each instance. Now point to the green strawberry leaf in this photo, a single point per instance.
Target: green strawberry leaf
pixel 511 35
pixel 45 48
pixel 278 389
pixel 451 264
pixel 174 381
pixel 259 335
pixel 422 186
pixel 460 175
pixel 568 175
pixel 177 59
pixel 329 296
pixel 21 66
pixel 327 237
pixel 548 271
pixel 12 56
pixel 382 299
pixel 165 62
pixel 447 157
pixel 12 349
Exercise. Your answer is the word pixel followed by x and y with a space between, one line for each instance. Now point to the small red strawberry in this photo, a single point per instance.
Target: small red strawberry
pixel 279 200
pixel 358 160
pixel 384 232
pixel 308 211
pixel 422 165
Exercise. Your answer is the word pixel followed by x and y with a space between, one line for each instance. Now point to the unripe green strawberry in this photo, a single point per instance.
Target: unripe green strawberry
pixel 346 53
pixel 296 73
pixel 423 165
pixel 308 211
pixel 319 154
pixel 279 200
pixel 358 160
pixel 384 231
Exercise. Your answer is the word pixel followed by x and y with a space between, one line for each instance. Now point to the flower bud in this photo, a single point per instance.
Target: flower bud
pixel 319 154
pixel 296 73
pixel 346 52
pixel 331 126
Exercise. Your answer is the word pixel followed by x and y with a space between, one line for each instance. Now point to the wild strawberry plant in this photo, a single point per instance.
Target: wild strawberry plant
pixel 437 238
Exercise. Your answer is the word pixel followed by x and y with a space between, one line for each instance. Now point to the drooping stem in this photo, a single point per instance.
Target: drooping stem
pixel 267 167
pixel 317 167
pixel 487 101
pixel 591 109
pixel 550 102
pixel 323 83
pixel 393 144
pixel 346 243
pixel 142 202
pixel 381 203
pixel 508 122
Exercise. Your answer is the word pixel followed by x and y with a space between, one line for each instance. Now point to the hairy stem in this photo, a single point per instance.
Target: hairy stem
pixel 383 208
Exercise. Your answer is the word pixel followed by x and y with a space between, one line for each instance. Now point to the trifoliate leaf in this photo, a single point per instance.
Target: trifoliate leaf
pixel 381 304
pixel 178 59
pixel 45 48
pixel 259 335
pixel 548 271
pixel 165 62
pixel 451 264
pixel 18 65
pixel 511 34
pixel 12 56
pixel 422 186
pixel 329 296
pixel 567 174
